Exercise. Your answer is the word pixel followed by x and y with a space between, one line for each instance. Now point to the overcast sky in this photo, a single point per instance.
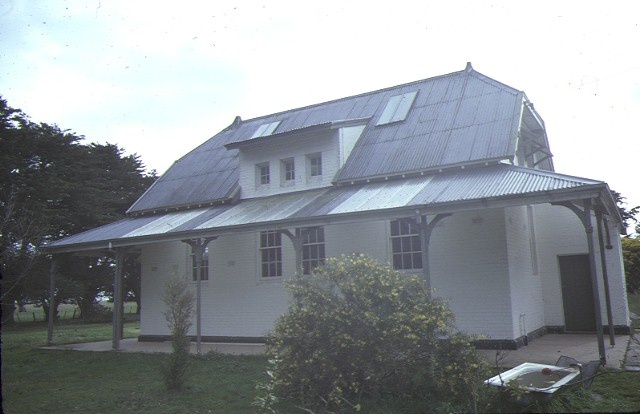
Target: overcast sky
pixel 159 78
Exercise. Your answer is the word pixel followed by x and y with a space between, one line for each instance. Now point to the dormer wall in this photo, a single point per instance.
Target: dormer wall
pixel 279 155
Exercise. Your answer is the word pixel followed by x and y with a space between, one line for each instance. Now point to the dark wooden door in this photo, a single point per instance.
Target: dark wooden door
pixel 577 293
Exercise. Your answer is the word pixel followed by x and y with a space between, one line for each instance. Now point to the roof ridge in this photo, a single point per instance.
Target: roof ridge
pixel 376 91
pixel 553 174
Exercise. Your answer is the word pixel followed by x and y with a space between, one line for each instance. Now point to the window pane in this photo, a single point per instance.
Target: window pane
pixel 288 168
pixel 265 129
pixel 403 106
pixel 397 261
pixel 271 253
pixel 417 260
pixel 315 165
pixel 264 174
pixel 397 108
pixel 395 228
pixel 313 249
pixel 406 248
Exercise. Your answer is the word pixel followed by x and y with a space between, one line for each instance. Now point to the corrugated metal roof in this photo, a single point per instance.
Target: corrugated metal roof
pixel 460 118
pixel 442 190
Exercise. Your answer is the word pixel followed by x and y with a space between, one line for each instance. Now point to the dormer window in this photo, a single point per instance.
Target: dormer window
pixel 265 129
pixel 397 108
pixel 263 176
pixel 288 169
pixel 314 165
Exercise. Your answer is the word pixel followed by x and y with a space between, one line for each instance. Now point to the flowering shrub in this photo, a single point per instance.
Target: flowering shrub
pixel 359 331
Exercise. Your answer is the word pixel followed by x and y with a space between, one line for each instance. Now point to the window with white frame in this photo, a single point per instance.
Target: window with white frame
pixel 406 248
pixel 314 165
pixel 271 253
pixel 204 266
pixel 313 254
pixel 288 170
pixel 263 175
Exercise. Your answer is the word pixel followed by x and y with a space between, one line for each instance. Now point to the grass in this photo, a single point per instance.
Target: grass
pixel 36 380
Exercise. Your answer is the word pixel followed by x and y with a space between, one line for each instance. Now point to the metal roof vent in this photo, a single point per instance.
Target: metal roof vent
pixel 468 68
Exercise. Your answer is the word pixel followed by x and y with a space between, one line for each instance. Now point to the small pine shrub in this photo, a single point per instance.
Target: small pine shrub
pixel 179 301
pixel 358 331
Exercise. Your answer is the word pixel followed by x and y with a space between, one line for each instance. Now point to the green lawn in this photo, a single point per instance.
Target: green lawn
pixel 36 380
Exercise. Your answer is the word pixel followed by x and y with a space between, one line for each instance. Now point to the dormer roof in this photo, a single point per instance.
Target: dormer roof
pixel 459 119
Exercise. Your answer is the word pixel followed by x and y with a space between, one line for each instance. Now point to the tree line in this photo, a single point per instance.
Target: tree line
pixel 53 184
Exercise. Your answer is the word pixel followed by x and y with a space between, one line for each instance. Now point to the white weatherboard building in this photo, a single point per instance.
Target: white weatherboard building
pixel 450 178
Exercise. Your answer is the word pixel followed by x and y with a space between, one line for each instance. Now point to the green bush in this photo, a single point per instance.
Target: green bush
pixel 358 333
pixel 179 301
pixel 97 313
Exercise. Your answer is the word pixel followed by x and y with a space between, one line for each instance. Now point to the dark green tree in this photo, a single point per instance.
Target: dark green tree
pixel 628 214
pixel 630 245
pixel 53 185
pixel 631 257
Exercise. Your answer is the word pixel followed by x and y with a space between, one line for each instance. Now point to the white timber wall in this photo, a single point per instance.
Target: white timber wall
pixel 617 281
pixel 159 261
pixel 370 238
pixel 481 263
pixel 470 268
pixel 237 300
pixel 524 281
pixel 560 232
pixel 298 149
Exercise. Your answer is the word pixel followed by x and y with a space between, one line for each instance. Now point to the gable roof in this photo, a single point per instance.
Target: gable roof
pixel 499 185
pixel 462 118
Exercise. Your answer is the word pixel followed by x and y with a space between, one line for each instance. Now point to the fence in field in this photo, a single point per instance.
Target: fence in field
pixel 31 313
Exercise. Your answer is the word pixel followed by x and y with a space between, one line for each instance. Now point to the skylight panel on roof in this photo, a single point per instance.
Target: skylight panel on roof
pixel 397 108
pixel 265 129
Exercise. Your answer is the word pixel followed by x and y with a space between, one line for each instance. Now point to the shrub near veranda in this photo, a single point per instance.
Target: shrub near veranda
pixel 179 300
pixel 359 331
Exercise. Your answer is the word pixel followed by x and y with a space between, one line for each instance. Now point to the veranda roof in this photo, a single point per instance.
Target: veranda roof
pixel 498 185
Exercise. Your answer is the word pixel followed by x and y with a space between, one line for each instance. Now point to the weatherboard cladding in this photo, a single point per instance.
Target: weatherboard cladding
pixel 460 118
pixel 452 186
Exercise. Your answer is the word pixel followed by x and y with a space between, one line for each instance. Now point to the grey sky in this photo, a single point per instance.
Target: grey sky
pixel 159 78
